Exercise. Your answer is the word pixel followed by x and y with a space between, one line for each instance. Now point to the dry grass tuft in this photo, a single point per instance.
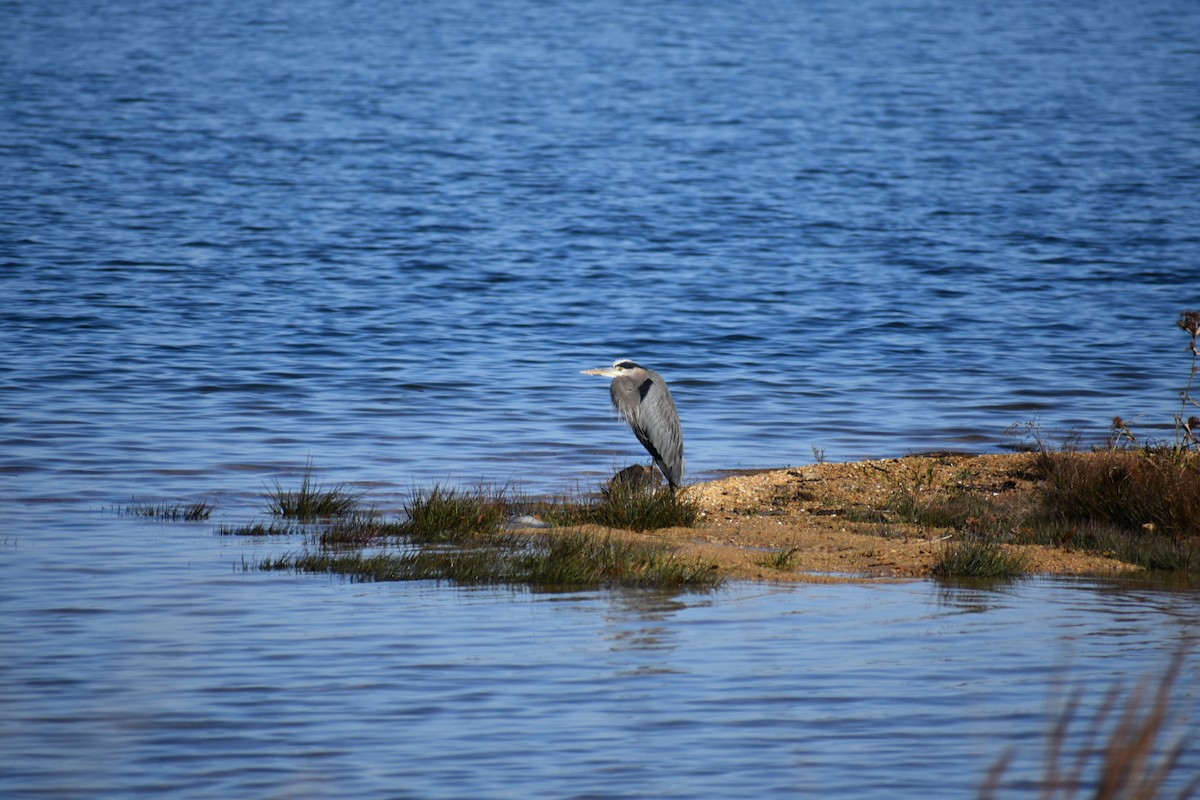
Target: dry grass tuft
pixel 1155 490
pixel 1129 750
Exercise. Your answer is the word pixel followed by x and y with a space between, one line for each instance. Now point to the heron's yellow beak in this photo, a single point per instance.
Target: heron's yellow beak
pixel 607 372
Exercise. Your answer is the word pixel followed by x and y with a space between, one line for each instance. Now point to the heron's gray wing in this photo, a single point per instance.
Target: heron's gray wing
pixel 655 422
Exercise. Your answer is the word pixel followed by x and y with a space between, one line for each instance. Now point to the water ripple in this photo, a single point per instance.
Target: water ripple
pixel 387 239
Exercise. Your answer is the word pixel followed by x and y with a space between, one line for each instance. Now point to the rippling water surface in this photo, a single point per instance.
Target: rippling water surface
pixel 140 660
pixel 390 235
pixel 386 237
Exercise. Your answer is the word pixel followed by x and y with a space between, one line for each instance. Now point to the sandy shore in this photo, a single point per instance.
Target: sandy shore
pixel 817 512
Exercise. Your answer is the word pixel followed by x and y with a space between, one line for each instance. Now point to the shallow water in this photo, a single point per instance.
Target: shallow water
pixel 387 238
pixel 141 660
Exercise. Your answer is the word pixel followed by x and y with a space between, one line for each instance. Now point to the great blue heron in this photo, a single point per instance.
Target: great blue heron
pixel 643 399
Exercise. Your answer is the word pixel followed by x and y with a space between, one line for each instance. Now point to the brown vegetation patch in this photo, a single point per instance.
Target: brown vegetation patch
pixel 837 522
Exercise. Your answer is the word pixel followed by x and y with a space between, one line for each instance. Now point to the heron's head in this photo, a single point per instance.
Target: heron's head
pixel 619 367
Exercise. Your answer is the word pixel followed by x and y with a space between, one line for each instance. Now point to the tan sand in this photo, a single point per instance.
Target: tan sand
pixel 816 511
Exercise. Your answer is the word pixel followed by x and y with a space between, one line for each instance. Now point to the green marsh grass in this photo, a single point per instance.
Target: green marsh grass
pixel 262 529
pixel 196 511
pixel 357 530
pixel 556 560
pixel 584 559
pixel 781 559
pixel 442 514
pixel 628 507
pixel 312 501
pixel 979 558
pixel 460 536
pixel 413 564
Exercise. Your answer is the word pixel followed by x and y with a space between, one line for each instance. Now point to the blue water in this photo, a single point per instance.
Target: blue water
pixel 140 660
pixel 387 237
